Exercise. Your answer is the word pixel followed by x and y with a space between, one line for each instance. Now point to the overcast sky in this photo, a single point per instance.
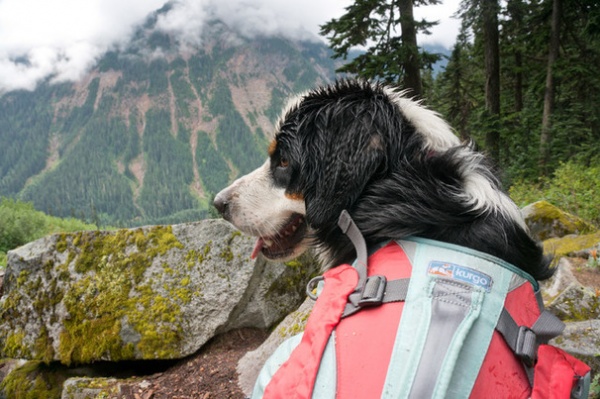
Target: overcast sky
pixel 63 39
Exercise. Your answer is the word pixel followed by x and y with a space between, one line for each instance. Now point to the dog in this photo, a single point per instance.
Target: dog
pixel 394 165
pixel 366 150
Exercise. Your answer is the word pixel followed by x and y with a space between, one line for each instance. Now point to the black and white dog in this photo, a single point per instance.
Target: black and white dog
pixel 394 165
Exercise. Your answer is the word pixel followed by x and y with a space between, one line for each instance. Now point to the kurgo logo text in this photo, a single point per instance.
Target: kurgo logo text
pixel 460 273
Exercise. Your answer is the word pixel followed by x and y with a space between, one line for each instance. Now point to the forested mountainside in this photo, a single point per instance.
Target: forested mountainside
pixel 153 132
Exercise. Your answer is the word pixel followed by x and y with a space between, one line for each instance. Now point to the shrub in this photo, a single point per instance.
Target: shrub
pixel 574 188
pixel 20 223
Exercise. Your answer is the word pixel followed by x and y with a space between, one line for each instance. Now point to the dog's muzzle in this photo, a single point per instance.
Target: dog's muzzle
pixel 221 203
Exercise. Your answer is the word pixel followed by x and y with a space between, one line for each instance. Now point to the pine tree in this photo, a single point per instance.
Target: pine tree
pixel 388 30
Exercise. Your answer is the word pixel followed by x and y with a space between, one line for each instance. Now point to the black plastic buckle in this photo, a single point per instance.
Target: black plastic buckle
pixel 526 346
pixel 373 292
pixel 581 390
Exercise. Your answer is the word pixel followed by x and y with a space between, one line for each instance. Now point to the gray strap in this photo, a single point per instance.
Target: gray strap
pixel 524 341
pixel 379 291
pixel 396 290
pixel 350 229
pixel 372 290
pixel 547 326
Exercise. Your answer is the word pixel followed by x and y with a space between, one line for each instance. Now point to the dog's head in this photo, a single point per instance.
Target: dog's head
pixel 365 148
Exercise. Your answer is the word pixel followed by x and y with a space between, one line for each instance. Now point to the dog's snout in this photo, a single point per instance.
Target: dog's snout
pixel 221 203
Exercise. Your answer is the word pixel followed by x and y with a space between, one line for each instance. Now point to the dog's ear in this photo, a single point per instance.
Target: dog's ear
pixel 345 154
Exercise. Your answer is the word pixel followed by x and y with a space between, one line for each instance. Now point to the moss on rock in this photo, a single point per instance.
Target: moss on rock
pixel 298 273
pixel 569 244
pixel 33 380
pixel 93 331
pixel 95 286
pixel 138 294
pixel 96 388
pixel 547 221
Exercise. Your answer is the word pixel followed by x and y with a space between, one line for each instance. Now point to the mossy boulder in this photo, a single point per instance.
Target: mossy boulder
pixel 572 244
pixel 575 303
pixel 547 221
pixel 32 380
pixel 157 292
pixel 91 388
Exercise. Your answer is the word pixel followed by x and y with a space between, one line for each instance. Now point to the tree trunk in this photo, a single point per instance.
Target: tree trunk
pixel 546 136
pixel 411 64
pixel 492 74
pixel 518 81
pixel 515 12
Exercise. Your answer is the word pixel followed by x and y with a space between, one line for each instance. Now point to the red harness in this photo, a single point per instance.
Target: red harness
pixel 365 340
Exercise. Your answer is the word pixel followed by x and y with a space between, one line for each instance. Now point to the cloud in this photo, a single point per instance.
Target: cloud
pixel 61 40
pixel 250 18
pixel 446 31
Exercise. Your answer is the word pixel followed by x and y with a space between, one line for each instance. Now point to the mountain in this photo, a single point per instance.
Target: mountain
pixel 444 54
pixel 155 129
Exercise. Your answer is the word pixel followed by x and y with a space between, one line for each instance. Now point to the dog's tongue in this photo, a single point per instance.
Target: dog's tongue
pixel 257 248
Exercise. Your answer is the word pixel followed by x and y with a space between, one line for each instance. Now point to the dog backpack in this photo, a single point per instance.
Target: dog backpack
pixel 428 320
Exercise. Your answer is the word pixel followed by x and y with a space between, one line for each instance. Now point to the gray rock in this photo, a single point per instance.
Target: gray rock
pixel 547 221
pixel 251 363
pixel 563 277
pixel 575 302
pixel 156 292
pixel 91 388
pixel 9 365
pixel 582 340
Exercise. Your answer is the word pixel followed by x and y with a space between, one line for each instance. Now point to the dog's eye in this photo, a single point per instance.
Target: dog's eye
pixel 283 163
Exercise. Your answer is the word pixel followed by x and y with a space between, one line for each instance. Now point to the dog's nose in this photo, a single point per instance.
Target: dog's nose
pixel 221 202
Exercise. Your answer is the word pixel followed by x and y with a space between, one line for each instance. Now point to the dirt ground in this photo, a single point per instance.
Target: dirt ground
pixel 209 374
pixel 587 276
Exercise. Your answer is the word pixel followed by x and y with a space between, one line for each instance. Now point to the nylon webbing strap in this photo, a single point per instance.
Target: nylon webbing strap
pixel 524 341
pixel 350 229
pixel 373 290
pixel 379 291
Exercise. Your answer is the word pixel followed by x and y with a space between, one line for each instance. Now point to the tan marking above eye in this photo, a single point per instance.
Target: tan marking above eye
pixel 295 196
pixel 272 147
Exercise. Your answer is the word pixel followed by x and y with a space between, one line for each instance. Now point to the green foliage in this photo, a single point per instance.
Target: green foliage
pixel 278 98
pixel 201 72
pixel 87 183
pixel 524 42
pixel 595 388
pixel 159 82
pixel 593 260
pixel 213 169
pixel 25 120
pixel 574 188
pixel 20 223
pixel 234 138
pixel 169 173
pixel 181 87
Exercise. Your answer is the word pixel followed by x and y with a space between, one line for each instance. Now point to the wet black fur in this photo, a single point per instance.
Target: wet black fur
pixel 346 146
